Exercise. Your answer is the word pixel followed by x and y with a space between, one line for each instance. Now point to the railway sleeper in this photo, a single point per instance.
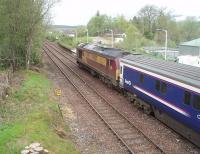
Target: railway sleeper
pixel 131 141
pixel 120 126
pixel 111 118
pixel 125 131
pixel 145 147
pixel 131 137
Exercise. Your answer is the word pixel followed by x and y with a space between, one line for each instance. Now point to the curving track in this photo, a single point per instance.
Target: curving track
pixel 130 136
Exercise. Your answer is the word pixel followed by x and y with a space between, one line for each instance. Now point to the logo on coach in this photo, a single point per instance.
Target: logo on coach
pixel 128 82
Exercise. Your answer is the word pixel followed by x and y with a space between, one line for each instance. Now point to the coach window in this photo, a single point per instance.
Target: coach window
pixel 196 102
pixel 187 97
pixel 142 78
pixel 164 88
pixel 157 86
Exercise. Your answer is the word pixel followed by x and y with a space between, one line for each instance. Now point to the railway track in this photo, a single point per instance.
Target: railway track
pixel 57 47
pixel 63 52
pixel 130 136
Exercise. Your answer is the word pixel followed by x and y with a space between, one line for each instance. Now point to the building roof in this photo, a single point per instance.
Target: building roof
pixel 111 52
pixel 194 43
pixel 179 72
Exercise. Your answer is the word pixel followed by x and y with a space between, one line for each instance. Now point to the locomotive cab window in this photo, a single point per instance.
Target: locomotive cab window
pixel 157 86
pixel 141 78
pixel 187 97
pixel 164 88
pixel 196 102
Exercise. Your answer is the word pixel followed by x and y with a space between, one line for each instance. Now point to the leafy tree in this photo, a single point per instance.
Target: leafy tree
pixel 23 23
pixel 132 39
pixel 36 11
pixel 189 29
pixel 98 24
pixel 148 15
pixel 165 20
pixel 120 23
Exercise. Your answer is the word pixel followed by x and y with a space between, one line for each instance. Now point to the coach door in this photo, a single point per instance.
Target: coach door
pixel 121 75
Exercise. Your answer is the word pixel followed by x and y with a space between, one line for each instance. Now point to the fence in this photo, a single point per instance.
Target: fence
pixel 171 52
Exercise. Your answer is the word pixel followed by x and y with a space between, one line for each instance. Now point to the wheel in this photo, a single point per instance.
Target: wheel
pixel 80 65
pixel 93 73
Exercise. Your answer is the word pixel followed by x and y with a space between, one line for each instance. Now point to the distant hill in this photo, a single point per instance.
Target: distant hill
pixel 64 27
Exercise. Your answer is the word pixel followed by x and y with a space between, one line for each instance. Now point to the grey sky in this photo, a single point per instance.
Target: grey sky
pixel 78 12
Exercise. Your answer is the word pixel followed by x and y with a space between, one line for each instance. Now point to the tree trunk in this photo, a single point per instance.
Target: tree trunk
pixel 28 51
pixel 12 59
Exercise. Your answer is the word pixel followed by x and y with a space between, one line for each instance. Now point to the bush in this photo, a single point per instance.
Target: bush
pixel 36 58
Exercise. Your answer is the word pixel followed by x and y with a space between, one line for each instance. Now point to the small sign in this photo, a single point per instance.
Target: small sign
pixel 58 92
pixel 198 116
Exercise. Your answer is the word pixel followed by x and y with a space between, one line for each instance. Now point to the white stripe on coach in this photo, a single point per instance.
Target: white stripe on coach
pixel 162 101
pixel 197 90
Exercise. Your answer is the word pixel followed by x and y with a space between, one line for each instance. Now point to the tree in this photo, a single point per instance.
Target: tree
pixel 166 20
pixel 121 23
pixel 133 37
pixel 189 29
pixel 36 11
pixel 148 15
pixel 98 24
pixel 23 22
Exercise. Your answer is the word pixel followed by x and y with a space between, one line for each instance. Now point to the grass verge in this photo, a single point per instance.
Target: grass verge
pixel 72 43
pixel 30 114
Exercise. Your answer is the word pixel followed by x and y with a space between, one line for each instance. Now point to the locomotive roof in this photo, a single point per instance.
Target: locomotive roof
pixel 111 52
pixel 180 72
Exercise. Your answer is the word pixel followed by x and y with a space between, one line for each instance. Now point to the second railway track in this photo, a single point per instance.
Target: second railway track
pixel 130 136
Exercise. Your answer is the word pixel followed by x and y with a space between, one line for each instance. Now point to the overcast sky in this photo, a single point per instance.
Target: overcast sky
pixel 79 12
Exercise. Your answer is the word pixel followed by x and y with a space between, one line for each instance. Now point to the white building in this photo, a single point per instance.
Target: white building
pixel 189 60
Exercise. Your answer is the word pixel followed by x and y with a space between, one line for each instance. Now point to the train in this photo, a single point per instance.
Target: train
pixel 169 91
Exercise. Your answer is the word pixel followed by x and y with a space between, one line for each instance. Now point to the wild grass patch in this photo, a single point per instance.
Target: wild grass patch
pixel 29 115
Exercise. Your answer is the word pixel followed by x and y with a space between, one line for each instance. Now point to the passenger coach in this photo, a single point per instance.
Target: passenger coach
pixel 171 89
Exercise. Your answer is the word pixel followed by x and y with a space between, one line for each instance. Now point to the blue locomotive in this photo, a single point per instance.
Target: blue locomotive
pixel 170 89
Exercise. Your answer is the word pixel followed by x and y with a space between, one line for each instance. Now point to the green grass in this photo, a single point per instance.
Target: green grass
pixel 71 43
pixel 67 42
pixel 31 115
